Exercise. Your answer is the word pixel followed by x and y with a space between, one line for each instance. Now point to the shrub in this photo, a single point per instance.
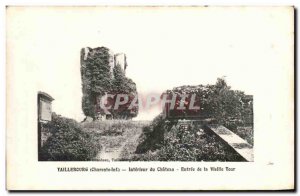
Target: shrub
pixel 193 144
pixel 152 137
pixel 218 101
pixel 68 142
pixel 163 141
pixel 230 108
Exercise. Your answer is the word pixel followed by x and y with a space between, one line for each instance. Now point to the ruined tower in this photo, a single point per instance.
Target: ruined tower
pixel 103 72
pixel 113 59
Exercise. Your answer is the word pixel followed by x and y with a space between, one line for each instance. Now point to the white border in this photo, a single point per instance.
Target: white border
pixel 296 3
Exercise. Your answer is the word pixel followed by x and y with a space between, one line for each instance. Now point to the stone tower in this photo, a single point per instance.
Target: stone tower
pixel 114 59
pixel 120 59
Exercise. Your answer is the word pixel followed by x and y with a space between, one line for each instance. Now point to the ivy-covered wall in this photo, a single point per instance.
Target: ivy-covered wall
pixel 100 74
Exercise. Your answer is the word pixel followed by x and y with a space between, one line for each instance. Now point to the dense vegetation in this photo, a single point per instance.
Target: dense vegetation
pixel 98 79
pixel 228 107
pixel 68 142
pixel 118 138
pixel 165 140
pixel 123 85
pixel 178 144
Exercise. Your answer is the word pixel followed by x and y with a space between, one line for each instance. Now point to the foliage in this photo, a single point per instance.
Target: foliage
pixel 228 107
pixel 246 133
pixel 123 85
pixel 95 76
pixel 88 104
pixel 118 137
pixel 68 142
pixel 102 126
pixel 153 135
pixel 193 144
pixel 97 79
pixel 164 140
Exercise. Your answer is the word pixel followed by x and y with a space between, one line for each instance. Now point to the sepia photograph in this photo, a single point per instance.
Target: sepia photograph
pixel 121 114
pixel 196 123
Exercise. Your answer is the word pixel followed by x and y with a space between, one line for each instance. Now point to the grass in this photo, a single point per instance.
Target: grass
pixel 115 135
pixel 193 144
pixel 112 125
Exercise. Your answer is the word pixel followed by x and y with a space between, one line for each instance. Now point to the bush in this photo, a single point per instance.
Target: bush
pixel 163 140
pixel 68 142
pixel 152 137
pixel 228 107
pixel 193 144
pixel 246 133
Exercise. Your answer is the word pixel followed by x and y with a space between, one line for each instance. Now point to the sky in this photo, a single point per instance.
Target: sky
pixel 165 47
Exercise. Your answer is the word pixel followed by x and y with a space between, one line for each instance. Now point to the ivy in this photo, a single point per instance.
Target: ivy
pixel 97 80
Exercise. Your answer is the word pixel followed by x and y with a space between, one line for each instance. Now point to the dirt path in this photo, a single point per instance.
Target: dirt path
pixel 130 146
pixel 108 153
pixel 120 146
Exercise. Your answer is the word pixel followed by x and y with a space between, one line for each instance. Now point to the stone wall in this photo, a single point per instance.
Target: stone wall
pixel 114 59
